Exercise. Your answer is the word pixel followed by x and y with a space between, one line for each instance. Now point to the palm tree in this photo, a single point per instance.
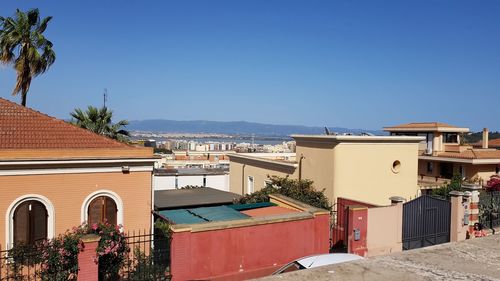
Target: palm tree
pixel 22 44
pixel 98 120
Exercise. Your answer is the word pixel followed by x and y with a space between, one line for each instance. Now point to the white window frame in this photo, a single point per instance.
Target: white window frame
pixel 108 193
pixel 9 216
pixel 250 182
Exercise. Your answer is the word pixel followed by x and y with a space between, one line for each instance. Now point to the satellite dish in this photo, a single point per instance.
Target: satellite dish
pixel 327 132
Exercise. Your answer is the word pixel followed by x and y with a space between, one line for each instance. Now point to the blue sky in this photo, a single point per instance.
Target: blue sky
pixel 358 64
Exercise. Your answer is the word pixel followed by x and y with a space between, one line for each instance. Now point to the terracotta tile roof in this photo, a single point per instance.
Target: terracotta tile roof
pixel 492 143
pixel 424 125
pixel 25 128
pixel 472 154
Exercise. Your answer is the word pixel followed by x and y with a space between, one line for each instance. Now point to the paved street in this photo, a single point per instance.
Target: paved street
pixel 475 259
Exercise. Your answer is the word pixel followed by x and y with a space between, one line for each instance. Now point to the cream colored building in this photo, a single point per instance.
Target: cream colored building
pixel 442 154
pixel 364 168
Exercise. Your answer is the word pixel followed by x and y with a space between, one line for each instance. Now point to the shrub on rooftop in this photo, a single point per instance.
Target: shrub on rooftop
pixel 301 190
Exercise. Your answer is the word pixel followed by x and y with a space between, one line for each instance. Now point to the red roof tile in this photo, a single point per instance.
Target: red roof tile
pixel 25 128
pixel 473 154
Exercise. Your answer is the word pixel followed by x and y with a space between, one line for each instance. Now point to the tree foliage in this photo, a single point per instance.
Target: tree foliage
pixel 455 184
pixel 301 190
pixel 98 120
pixel 23 45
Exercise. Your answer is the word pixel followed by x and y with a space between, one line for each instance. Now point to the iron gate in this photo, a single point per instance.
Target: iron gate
pixel 338 228
pixel 426 222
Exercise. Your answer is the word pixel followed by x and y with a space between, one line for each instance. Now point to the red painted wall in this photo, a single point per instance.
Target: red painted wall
pixel 246 252
pixel 339 231
pixel 358 219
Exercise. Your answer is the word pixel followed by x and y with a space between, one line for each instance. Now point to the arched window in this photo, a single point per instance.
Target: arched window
pixel 102 209
pixel 30 222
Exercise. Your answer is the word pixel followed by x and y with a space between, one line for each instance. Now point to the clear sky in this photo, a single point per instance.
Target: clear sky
pixel 358 64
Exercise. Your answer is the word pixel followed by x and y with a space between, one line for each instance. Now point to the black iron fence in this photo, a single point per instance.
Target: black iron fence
pixel 489 208
pixel 148 258
pixel 23 264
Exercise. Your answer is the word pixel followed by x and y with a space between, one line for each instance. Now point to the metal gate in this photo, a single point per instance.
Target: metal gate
pixel 338 228
pixel 426 222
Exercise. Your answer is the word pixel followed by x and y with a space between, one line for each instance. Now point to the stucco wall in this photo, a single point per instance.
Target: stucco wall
pixel 364 171
pixel 318 165
pixel 67 193
pixel 246 252
pixel 384 233
pixel 239 170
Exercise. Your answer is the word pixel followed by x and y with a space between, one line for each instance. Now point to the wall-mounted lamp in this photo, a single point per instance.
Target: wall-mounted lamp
pixel 125 169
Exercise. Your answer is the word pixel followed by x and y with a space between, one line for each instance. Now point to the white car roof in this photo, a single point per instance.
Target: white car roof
pixel 326 259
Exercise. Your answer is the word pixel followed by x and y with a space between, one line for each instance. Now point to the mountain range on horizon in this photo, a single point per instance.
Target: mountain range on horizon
pixel 233 128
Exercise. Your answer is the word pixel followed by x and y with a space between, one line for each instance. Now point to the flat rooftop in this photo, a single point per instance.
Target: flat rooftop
pixel 193 197
pixel 189 172
pixel 224 213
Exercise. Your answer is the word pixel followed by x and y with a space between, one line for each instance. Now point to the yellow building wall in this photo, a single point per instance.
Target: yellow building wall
pixel 364 171
pixel 317 165
pixel 67 193
pixel 239 170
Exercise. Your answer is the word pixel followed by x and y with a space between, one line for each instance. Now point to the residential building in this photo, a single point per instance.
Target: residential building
pixel 54 176
pixel 441 154
pixel 194 159
pixel 168 179
pixel 367 168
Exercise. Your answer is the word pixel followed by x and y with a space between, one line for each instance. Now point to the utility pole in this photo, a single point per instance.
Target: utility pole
pixel 105 96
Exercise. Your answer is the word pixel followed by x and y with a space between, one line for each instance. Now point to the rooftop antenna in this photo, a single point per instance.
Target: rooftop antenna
pixel 105 96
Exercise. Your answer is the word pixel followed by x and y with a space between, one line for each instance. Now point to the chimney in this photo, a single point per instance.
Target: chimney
pixel 485 138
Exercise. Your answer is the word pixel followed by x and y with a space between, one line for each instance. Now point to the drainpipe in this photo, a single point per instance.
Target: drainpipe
pixel 485 138
pixel 300 166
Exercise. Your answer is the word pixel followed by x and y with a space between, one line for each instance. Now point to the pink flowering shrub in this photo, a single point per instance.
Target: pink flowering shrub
pixel 112 249
pixel 493 184
pixel 58 257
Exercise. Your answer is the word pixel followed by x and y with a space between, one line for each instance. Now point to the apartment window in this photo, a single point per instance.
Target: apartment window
pixel 250 185
pixel 430 167
pixel 450 138
pixel 102 209
pixel 30 222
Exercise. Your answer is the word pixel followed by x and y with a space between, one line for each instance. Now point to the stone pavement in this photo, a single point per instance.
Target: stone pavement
pixel 475 259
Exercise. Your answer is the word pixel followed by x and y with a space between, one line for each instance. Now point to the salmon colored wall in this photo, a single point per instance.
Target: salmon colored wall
pixel 246 252
pixel 385 226
pixel 67 193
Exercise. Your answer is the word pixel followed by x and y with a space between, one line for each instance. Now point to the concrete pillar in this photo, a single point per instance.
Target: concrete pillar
pixel 473 206
pixel 88 269
pixel 357 230
pixel 458 227
pixel 485 138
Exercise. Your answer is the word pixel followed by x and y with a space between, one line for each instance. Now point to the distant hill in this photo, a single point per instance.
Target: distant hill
pixel 233 128
pixel 478 136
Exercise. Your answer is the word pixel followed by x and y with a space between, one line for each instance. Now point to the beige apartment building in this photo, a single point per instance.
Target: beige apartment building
pixel 54 176
pixel 442 154
pixel 364 168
